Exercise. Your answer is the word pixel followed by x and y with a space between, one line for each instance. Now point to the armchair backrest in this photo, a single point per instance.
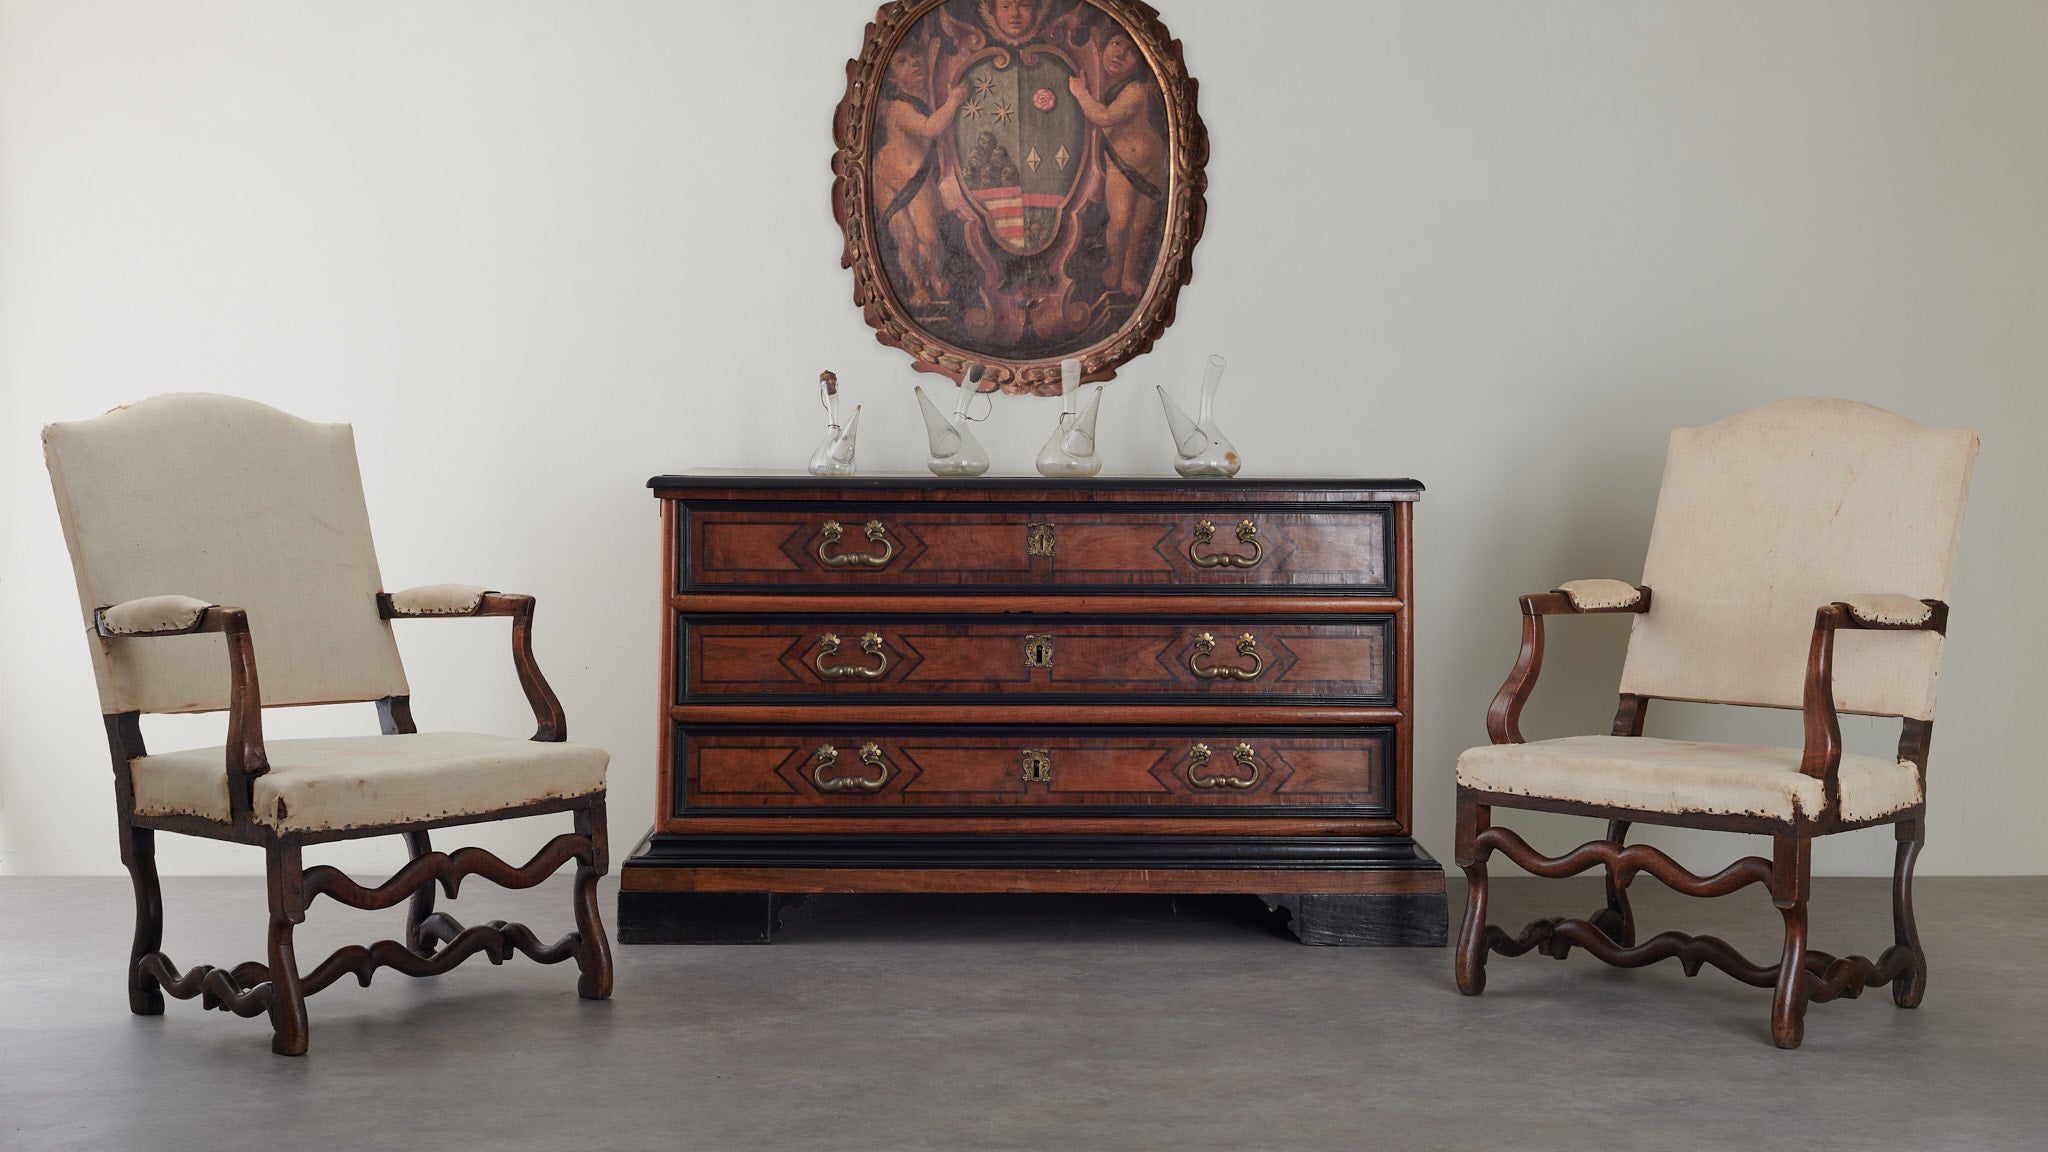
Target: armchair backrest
pixel 238 504
pixel 1772 513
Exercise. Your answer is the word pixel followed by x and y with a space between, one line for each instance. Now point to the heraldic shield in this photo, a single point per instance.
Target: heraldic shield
pixel 1020 135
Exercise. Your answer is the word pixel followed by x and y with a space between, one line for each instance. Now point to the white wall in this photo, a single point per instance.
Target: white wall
pixel 537 252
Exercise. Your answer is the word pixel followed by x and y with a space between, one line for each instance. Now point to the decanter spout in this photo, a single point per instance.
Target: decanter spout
pixel 839 445
pixel 1188 438
pixel 944 438
pixel 1079 439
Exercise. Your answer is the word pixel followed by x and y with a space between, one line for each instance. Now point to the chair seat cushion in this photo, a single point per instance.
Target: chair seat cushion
pixel 364 781
pixel 1679 776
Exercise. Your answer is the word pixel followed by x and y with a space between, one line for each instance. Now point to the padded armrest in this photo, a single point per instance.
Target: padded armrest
pixel 1601 595
pixel 1887 609
pixel 152 616
pixel 437 600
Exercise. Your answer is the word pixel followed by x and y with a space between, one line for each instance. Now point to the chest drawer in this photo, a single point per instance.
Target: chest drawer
pixel 1189 547
pixel 857 767
pixel 1336 659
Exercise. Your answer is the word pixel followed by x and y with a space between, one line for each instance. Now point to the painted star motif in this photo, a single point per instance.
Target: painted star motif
pixel 983 84
pixel 1004 112
pixel 971 110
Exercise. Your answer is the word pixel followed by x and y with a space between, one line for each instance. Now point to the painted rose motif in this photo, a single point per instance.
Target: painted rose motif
pixel 1042 100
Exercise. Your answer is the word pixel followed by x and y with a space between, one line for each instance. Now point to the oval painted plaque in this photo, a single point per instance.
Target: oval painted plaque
pixel 1019 182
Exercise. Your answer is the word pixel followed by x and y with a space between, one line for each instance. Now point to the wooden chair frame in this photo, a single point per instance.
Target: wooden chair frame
pixel 434 941
pixel 1801 975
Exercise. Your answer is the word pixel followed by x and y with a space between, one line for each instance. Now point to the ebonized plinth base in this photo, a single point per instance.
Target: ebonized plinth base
pixel 736 889
pixel 1386 919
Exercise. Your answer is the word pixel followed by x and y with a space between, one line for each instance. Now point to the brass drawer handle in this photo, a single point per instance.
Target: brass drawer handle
pixel 870 755
pixel 1247 533
pixel 1198 756
pixel 1246 646
pixel 875 533
pixel 871 644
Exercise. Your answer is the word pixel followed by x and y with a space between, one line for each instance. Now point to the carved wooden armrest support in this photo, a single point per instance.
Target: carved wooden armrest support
pixel 153 616
pixel 1870 612
pixel 1577 598
pixel 433 601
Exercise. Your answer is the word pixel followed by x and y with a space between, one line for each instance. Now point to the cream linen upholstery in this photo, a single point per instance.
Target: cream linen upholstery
pixel 1772 513
pixel 359 781
pixel 439 599
pixel 1587 595
pixel 1887 608
pixel 154 614
pixel 1677 776
pixel 239 504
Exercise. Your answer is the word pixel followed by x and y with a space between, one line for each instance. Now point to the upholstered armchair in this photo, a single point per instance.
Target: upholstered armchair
pixel 1800 558
pixel 212 537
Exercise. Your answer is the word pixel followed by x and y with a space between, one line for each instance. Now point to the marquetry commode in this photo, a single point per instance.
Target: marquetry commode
pixel 901 684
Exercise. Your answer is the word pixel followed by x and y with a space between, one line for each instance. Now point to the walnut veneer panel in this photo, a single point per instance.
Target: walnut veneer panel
pixel 877 544
pixel 855 657
pixel 1208 767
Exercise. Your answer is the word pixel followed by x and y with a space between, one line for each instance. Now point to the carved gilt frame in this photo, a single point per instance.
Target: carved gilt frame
pixel 1182 210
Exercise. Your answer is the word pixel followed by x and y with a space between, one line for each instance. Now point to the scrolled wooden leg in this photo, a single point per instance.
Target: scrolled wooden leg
pixel 1470 961
pixel 138 852
pixel 594 951
pixel 1791 883
pixel 290 1033
pixel 1911 984
pixel 1620 918
pixel 422 905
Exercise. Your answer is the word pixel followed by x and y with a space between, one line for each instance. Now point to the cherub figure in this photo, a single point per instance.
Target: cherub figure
pixel 906 161
pixel 1128 116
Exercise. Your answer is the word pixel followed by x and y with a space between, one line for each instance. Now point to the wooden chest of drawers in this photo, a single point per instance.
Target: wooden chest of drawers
pixel 899 684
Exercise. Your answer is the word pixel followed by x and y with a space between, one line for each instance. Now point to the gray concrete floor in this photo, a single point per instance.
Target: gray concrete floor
pixel 1029 1023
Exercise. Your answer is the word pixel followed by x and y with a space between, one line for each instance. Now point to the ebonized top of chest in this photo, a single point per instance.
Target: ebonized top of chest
pixel 770 485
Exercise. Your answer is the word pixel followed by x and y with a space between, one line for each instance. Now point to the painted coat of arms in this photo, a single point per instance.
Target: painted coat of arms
pixel 1019 182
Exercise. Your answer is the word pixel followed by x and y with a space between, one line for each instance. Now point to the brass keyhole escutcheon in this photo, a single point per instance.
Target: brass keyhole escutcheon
pixel 870 754
pixel 1038 650
pixel 1039 539
pixel 1198 759
pixel 1037 764
pixel 870 645
pixel 832 533
pixel 1247 647
pixel 1205 532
